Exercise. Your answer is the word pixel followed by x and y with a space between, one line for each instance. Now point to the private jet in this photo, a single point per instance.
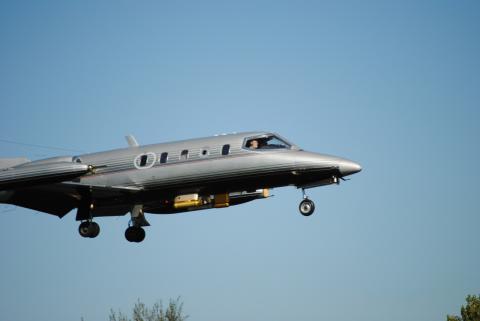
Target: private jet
pixel 167 178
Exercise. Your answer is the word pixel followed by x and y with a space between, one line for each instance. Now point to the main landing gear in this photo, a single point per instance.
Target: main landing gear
pixel 89 229
pixel 307 206
pixel 135 233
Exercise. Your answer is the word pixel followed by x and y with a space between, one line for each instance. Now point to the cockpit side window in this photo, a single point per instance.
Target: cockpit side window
pixel 266 142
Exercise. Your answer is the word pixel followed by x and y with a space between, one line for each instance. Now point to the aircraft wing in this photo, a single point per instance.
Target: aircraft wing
pixel 43 199
pixel 59 199
pixel 30 174
pixel 11 162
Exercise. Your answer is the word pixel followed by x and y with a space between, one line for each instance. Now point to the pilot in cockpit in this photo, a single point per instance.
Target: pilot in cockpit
pixel 270 142
pixel 253 144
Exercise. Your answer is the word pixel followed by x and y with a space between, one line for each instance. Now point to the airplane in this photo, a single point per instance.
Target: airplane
pixel 167 178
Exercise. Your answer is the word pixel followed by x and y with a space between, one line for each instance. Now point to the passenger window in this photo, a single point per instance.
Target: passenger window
pixel 225 149
pixel 143 160
pixel 184 154
pixel 163 158
pixel 204 152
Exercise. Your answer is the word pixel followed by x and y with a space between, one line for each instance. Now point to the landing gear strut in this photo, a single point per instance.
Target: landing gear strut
pixel 307 206
pixel 87 228
pixel 135 232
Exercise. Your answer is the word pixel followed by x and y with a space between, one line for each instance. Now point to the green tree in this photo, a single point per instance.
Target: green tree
pixel 469 312
pixel 173 312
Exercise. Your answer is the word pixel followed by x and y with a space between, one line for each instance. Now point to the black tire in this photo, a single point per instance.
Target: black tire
pixel 84 229
pixel 130 234
pixel 135 234
pixel 306 207
pixel 140 235
pixel 94 230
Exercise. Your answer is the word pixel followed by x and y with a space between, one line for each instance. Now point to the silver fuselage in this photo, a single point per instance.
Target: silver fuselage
pixel 121 178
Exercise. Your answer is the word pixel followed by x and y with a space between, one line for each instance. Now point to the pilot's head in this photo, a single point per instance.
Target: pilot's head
pixel 253 144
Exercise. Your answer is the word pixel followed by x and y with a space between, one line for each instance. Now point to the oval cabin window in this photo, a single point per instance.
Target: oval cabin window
pixel 146 160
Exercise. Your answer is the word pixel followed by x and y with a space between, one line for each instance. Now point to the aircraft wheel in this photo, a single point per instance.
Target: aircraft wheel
pixel 135 234
pixel 89 229
pixel 94 229
pixel 140 235
pixel 306 207
pixel 83 229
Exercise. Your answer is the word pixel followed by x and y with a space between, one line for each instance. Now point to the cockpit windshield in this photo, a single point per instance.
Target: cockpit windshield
pixel 266 142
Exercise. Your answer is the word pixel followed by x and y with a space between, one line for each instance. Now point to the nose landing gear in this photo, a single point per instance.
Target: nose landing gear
pixel 307 206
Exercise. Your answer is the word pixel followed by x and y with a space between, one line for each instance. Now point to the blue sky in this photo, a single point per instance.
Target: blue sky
pixel 392 85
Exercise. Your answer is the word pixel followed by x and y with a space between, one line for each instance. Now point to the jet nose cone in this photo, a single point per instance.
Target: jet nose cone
pixel 348 168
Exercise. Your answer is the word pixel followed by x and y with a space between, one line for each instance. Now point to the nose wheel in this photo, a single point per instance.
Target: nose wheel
pixel 307 206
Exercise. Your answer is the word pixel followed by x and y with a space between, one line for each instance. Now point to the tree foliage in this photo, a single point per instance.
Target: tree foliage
pixel 173 312
pixel 469 312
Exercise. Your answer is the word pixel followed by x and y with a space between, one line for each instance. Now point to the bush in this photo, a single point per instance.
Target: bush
pixel 173 312
pixel 469 312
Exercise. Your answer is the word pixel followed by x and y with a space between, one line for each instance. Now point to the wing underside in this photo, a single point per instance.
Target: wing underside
pixel 55 203
pixel 60 199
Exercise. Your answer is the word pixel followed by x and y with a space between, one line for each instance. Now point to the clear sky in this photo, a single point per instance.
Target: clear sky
pixel 393 85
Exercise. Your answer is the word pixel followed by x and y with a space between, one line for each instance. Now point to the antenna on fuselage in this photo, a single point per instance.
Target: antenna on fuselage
pixel 132 142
